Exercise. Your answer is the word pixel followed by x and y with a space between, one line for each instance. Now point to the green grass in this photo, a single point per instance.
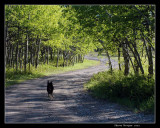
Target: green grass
pixel 13 77
pixel 132 91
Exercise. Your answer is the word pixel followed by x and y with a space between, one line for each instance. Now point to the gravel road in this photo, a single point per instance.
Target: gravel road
pixel 28 102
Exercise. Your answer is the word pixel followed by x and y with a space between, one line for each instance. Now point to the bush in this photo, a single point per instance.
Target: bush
pixel 147 105
pixel 134 88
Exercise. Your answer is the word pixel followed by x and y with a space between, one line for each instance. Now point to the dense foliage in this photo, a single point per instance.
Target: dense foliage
pixel 37 33
pixel 134 91
pixel 125 30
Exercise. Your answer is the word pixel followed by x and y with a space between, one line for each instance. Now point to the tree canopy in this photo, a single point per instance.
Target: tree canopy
pixel 75 30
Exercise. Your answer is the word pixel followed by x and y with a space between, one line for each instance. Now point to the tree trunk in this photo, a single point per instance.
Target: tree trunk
pixel 143 49
pixel 27 49
pixel 39 47
pixel 54 54
pixel 131 62
pixel 79 58
pixel 148 40
pixel 20 57
pixel 51 53
pixel 31 54
pixel 82 59
pixel 13 56
pixel 73 60
pixel 42 53
pixel 135 63
pixel 7 58
pixel 126 59
pixel 45 57
pixel 29 57
pixel 119 62
pixel 110 64
pixel 64 58
pixel 10 60
pixel 76 58
pixel 5 45
pixel 48 55
pixel 67 60
pixel 17 51
pixel 26 55
pixel 136 56
pixel 38 50
pixel 150 61
pixel 57 57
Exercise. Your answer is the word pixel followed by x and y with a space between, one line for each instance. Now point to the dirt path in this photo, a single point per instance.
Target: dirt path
pixel 28 101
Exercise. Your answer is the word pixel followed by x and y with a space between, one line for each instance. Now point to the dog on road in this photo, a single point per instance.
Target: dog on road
pixel 50 89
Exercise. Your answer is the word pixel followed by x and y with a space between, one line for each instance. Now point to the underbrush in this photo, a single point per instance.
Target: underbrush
pixel 133 91
pixel 13 77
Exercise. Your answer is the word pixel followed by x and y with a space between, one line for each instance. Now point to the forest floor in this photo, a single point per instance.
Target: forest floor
pixel 28 102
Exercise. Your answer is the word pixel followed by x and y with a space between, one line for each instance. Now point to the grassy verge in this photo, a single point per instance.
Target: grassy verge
pixel 13 77
pixel 133 91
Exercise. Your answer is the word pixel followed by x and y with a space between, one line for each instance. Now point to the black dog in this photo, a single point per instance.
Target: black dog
pixel 50 89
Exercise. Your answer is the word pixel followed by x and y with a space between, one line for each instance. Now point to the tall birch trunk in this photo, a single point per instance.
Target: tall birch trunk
pixel 48 55
pixel 119 62
pixel 110 64
pixel 126 59
pixel 26 55
pixel 57 57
